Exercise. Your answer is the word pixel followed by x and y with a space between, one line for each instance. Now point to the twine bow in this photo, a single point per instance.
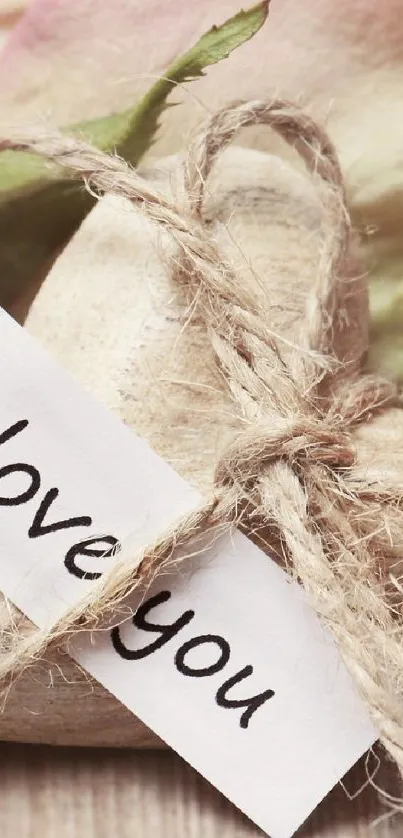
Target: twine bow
pixel 293 467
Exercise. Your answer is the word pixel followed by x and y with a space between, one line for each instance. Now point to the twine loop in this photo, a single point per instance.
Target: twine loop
pixel 294 466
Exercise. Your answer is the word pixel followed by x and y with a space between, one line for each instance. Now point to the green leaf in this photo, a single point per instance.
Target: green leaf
pixel 214 46
pixel 41 205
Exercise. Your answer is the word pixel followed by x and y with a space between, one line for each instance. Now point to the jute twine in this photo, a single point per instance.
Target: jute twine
pixel 293 466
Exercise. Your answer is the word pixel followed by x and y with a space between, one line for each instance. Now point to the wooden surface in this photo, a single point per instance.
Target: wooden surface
pixel 80 793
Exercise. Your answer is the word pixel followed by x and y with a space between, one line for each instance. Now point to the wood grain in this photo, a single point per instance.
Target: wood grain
pixel 79 793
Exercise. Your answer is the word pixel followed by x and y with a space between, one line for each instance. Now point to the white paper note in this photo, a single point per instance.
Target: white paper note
pixel 227 663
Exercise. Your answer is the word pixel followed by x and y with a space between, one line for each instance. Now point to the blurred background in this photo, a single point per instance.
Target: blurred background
pixel 74 62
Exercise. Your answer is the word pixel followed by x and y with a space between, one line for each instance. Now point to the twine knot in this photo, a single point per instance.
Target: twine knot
pixel 299 442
